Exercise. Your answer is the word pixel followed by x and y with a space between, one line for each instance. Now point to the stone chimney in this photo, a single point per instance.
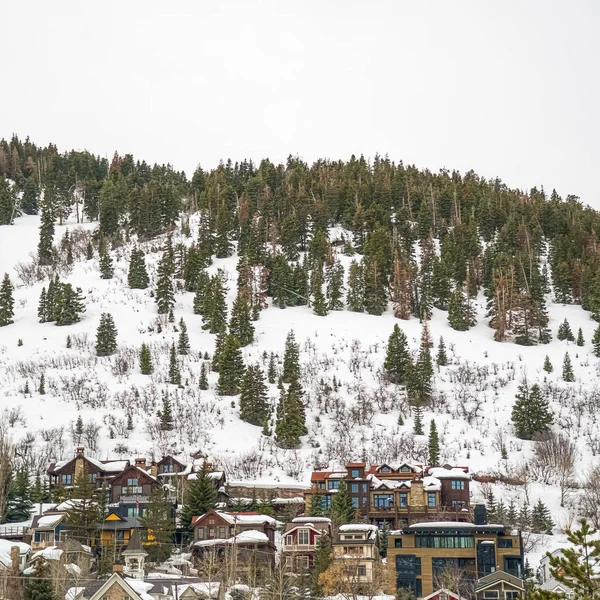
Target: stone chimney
pixel 140 463
pixel 154 469
pixel 79 463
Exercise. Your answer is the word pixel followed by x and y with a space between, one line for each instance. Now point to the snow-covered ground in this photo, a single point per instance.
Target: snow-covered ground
pixel 358 421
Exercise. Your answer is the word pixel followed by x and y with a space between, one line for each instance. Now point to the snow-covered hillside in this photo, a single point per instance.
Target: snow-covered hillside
pixel 472 408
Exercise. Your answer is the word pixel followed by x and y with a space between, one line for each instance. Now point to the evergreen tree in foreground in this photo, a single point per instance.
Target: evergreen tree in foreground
pixel 240 323
pixel 200 497
pixel 397 356
pixel 231 367
pixel 84 515
pixel 40 587
pixel 183 343
pixel 19 498
pixel 291 359
pixel 105 261
pixel 289 424
pixel 45 251
pixel 254 405
pixel 531 414
pixel 548 365
pixel 567 369
pixel 441 359
pixel 564 332
pixel 165 297
pixel 67 304
pixel 7 302
pixel 174 372
pixel 580 341
pixel 137 277
pixel 158 519
pixel 106 336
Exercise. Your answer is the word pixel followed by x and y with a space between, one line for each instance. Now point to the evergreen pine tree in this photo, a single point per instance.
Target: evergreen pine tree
pixel 84 515
pixel 106 336
pixel 375 287
pixel 567 369
pixel 334 278
pixel 315 506
pixel 89 251
pixel 7 302
pixel 342 510
pixel 240 323
pixel 214 307
pixel 165 415
pixel 291 358
pixel 29 201
pixel 397 356
pixel 596 342
pixel 19 502
pixel 105 261
pixel 219 345
pixel 158 518
pixel 319 303
pixel 146 367
pixel 42 385
pixel 42 311
pixel 580 340
pixel 541 521
pixel 174 372
pixel 39 586
pixel 530 414
pixel 45 251
pixel 289 423
pixel 441 358
pixel 203 382
pixel 165 297
pixel 272 371
pixel 548 365
pixel 137 277
pixel 67 304
pixel 356 287
pixel 434 445
pixel 201 285
pixel 69 343
pixel 254 407
pixel 231 367
pixel 200 496
pixel 183 344
pixel 418 424
pixel 460 314
pixel 564 332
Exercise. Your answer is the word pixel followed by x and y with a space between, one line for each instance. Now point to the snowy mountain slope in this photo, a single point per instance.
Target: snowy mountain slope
pixel 474 395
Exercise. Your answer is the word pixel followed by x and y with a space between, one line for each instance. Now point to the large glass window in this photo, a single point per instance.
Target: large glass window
pixel 505 543
pixel 132 481
pixel 430 499
pixel 303 536
pixel 354 473
pixel 408 564
pixel 403 499
pixel 512 565
pixel 66 479
pixel 458 484
pixel 383 500
pixel 355 502
pixel 333 484
pixel 444 541
pixel 355 488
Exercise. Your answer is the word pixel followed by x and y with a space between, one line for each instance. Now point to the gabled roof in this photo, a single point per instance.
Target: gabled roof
pixel 47 521
pixel 450 594
pixel 499 576
pixel 241 518
pixel 115 579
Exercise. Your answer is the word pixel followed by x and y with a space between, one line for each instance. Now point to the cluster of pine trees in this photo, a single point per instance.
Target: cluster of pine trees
pixel 535 243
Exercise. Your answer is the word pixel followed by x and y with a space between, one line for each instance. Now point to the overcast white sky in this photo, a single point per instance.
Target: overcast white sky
pixel 508 88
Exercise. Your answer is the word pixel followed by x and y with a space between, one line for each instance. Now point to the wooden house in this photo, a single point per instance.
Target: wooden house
pixel 300 540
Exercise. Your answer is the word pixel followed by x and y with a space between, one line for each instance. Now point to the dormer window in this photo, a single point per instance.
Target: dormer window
pixel 385 469
pixel 354 473
pixel 405 469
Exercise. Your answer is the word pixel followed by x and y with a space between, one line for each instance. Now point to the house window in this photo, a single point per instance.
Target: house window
pixel 132 481
pixel 355 502
pixel 167 468
pixel 513 566
pixel 200 533
pixel 490 595
pixel 333 485
pixel 404 470
pixel 211 532
pixel 458 484
pixel 326 502
pixel 364 488
pixel 383 500
pixel 222 532
pixel 403 500
pixel 431 499
pixel 303 537
pixel 385 469
pixel 361 571
pixel 93 477
pixel 321 485
pixel 66 479
pixel 364 502
pixel 355 488
pixel 511 595
pixel 302 563
pixel 132 512
pixel 505 543
pixel 458 503
pixel 397 542
pixel 354 473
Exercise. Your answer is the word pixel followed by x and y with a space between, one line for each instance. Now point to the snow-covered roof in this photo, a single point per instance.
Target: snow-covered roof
pixel 454 525
pixel 311 520
pixel 251 536
pixel 247 519
pixel 206 588
pixel 358 527
pixel 432 484
pixel 453 473
pixel 49 553
pixel 73 592
pixel 6 545
pixel 48 521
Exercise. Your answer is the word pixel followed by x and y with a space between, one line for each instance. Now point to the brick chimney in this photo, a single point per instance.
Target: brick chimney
pixel 140 462
pixel 79 451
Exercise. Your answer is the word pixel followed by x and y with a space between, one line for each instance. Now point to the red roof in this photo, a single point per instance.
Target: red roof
pixel 356 465
pixel 320 475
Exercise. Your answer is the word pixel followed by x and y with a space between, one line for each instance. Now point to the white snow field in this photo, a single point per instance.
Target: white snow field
pixel 472 408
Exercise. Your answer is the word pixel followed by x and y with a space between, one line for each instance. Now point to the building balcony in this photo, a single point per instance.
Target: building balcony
pixel 299 547
pixel 41 544
pixel 128 499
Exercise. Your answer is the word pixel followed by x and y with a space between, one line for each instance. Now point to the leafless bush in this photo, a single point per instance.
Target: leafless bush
pixel 90 435
pixel 590 497
pixel 14 416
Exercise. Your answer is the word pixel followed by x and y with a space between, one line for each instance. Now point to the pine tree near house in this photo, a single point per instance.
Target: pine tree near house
pixel 84 515
pixel 157 518
pixel 200 497
pixel 106 336
pixel 541 519
pixel 137 277
pixel 174 372
pixel 19 501
pixel 240 323
pixel 254 404
pixel 576 567
pixel 531 414
pixel 564 332
pixel 7 302
pixel 580 341
pixel 39 586
pixel 203 380
pixel 291 358
pixel 397 356
pixel 165 297
pixel 342 509
pixel 441 359
pixel 434 445
pixel 146 367
pixel 567 369
pixel 231 367
pixel 105 261
pixel 548 365
pixel 334 279
pixel 183 343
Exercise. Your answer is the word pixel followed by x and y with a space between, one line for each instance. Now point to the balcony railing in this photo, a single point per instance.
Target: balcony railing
pixel 7 532
pixel 299 547
pixel 133 499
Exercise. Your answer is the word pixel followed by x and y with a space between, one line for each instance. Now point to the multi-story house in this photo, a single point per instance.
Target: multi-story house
pixel 100 472
pixel 247 537
pixel 300 540
pixel 47 530
pixel 548 581
pixel 356 546
pixel 420 557
pixel 398 495
pixel 130 490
